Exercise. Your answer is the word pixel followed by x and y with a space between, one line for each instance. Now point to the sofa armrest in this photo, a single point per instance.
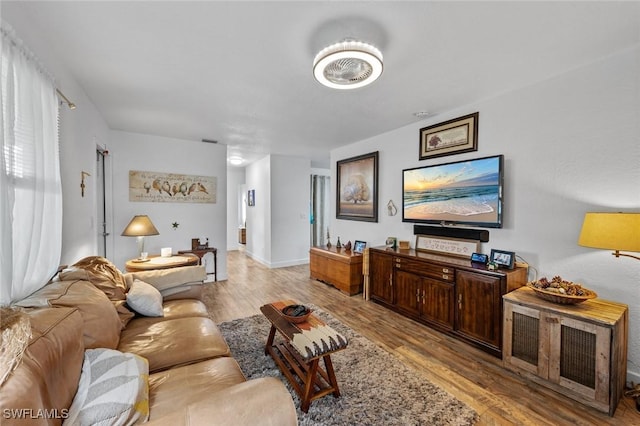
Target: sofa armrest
pixel 183 282
pixel 265 401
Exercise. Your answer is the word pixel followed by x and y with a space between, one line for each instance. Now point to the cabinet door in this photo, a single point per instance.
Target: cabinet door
pixel 381 277
pixel 479 307
pixel 408 291
pixel 438 301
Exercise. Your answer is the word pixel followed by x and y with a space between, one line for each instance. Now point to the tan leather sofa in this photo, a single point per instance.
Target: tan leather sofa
pixel 193 380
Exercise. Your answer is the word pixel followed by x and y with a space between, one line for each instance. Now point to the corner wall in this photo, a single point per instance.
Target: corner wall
pixel 570 145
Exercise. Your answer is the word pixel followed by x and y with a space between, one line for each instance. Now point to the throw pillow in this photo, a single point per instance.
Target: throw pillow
pixel 113 390
pixel 145 299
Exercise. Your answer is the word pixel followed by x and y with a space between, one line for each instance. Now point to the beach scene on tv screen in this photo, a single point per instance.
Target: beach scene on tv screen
pixel 466 191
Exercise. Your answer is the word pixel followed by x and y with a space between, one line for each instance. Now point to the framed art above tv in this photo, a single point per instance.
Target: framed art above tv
pixel 465 192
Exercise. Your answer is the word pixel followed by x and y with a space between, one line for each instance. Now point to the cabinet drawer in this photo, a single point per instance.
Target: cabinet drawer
pixel 444 273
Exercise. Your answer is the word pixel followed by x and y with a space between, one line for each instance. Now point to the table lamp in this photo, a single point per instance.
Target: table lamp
pixel 612 231
pixel 140 226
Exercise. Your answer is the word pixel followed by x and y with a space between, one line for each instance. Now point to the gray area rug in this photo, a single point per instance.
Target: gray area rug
pixel 376 388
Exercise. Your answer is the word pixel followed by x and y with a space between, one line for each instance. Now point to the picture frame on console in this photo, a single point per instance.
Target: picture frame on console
pixel 450 137
pixel 506 259
pixel 357 188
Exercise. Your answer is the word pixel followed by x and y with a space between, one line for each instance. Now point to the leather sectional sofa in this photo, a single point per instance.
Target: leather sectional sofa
pixel 192 378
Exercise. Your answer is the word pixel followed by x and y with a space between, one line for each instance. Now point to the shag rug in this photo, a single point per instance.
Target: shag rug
pixel 375 387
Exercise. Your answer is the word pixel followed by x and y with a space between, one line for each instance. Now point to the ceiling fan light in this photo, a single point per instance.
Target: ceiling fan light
pixel 348 65
pixel 235 160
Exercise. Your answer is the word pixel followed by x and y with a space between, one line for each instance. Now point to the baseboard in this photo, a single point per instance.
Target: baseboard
pixel 275 265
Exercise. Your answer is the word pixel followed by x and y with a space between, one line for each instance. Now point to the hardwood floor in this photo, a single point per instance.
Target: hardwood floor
pixel 474 377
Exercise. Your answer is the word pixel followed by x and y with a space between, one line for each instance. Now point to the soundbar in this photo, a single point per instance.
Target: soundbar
pixel 444 231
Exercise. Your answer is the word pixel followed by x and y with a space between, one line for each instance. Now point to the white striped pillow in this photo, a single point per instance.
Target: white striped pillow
pixel 113 390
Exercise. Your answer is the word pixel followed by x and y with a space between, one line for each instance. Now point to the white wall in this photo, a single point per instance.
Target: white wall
pixel 290 198
pixel 278 225
pixel 235 183
pixel 571 145
pixel 131 151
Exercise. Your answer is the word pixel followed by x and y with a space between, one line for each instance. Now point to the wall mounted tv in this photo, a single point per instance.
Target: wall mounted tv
pixel 459 193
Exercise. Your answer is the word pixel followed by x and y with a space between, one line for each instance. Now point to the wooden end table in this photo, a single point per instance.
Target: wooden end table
pixel 298 355
pixel 159 262
pixel 201 253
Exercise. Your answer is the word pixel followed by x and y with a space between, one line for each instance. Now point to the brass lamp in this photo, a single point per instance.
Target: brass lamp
pixel 140 226
pixel 612 231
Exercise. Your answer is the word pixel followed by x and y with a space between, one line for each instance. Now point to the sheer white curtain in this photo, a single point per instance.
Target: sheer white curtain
pixel 30 187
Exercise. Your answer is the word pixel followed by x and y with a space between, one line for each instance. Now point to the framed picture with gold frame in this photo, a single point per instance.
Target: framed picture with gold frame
pixel 450 137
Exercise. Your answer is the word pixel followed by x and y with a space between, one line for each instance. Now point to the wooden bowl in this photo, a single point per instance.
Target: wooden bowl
pixel 563 299
pixel 298 318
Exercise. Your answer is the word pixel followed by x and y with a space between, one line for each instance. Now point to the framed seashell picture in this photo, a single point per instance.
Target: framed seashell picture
pixel 357 188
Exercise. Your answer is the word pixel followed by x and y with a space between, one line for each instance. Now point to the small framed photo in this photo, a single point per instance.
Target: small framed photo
pixel 505 259
pixel 359 246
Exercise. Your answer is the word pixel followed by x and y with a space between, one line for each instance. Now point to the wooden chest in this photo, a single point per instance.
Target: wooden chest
pixel 338 267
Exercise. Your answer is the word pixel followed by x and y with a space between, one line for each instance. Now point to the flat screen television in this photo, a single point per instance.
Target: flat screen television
pixel 465 192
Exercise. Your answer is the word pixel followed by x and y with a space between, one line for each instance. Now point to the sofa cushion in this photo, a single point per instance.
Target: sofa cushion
pixel 113 390
pixel 145 299
pixel 173 283
pixel 47 378
pixel 180 386
pixel 173 309
pixel 101 325
pixel 175 342
pixel 105 276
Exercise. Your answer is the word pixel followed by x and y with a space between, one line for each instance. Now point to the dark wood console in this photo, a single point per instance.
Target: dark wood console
pixel 444 292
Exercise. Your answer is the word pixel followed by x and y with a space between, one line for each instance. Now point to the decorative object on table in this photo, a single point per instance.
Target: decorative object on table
pixel 171 187
pixel 199 243
pixel 492 266
pixel 479 258
pixel 251 197
pixel 558 290
pixel 296 313
pixel 505 259
pixel 404 245
pixel 450 137
pixel 359 246
pixel 338 244
pixel 357 188
pixel 82 185
pixel 348 246
pixel 165 252
pixel 140 227
pixel 444 245
pixel 328 239
pixel 612 231
pixel 392 243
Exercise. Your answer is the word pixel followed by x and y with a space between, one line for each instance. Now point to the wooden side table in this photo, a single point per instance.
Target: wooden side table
pixel 299 353
pixel 159 262
pixel 200 253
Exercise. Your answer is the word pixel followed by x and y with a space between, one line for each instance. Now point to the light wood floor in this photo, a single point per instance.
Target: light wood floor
pixel 497 395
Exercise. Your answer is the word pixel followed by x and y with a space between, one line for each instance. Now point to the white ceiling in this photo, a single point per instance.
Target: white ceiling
pixel 240 72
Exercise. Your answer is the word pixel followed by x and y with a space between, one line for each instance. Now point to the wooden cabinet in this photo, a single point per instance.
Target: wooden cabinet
pixel 338 267
pixel 444 292
pixel 579 350
pixel 381 277
pixel 479 307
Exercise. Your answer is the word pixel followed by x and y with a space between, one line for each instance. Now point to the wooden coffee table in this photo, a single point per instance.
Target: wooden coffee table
pixel 299 353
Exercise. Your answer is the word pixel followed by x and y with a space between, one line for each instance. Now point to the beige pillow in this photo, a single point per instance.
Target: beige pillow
pixel 145 299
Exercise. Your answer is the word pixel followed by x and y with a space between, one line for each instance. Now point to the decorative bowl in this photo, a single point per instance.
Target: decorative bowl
pixel 563 299
pixel 290 314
